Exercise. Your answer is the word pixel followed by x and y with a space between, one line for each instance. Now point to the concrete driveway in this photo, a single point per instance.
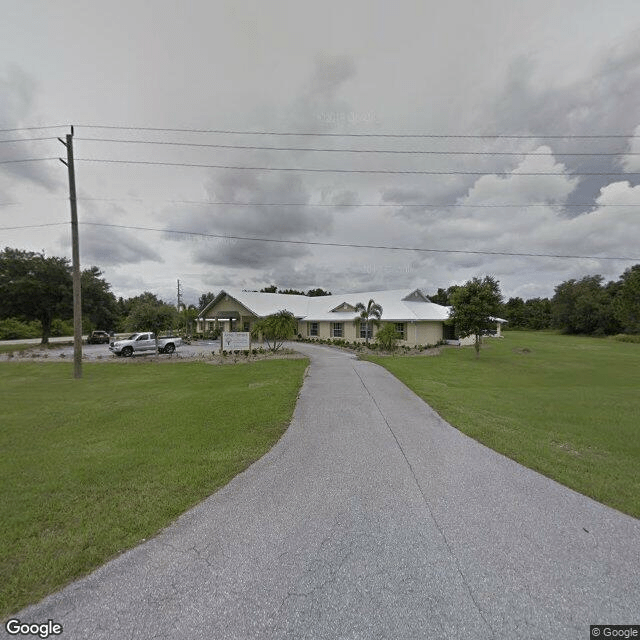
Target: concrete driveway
pixel 371 518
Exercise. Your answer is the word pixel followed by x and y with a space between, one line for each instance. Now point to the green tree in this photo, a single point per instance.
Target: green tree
pixel 388 337
pixel 272 289
pixel 584 306
pixel 34 287
pixel 187 317
pixel 99 305
pixel 149 316
pixel 627 300
pixel 473 306
pixel 276 328
pixel 370 314
pixel 205 299
pixel 315 293
pixel 515 313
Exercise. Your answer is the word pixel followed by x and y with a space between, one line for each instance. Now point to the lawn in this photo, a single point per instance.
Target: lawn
pixel 566 406
pixel 91 467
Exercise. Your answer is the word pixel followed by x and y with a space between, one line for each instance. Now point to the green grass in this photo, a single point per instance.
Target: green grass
pixel 90 467
pixel 568 407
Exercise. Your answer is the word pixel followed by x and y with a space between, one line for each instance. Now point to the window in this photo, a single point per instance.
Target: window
pixel 363 330
pixel 245 326
pixel 312 329
pixel 400 330
pixel 336 329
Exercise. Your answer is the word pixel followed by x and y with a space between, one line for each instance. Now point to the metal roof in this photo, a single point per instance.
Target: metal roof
pixel 401 305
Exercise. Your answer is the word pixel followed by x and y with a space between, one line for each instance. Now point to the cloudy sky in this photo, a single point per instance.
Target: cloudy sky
pixel 411 103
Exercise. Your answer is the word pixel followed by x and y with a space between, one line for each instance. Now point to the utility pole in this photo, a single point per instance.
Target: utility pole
pixel 75 259
pixel 179 296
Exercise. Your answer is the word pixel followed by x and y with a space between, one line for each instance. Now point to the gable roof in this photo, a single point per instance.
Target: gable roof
pixel 401 305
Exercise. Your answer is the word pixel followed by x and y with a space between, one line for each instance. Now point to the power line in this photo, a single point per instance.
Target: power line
pixel 421 205
pixel 34 226
pixel 377 171
pixel 53 126
pixel 316 149
pixel 361 135
pixel 26 140
pixel 26 160
pixel 355 246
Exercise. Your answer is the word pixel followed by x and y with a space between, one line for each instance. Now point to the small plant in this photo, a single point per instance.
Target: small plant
pixel 387 338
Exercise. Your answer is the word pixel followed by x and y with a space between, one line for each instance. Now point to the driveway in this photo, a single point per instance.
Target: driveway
pixel 372 518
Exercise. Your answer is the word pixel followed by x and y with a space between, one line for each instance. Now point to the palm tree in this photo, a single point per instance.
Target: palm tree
pixel 370 314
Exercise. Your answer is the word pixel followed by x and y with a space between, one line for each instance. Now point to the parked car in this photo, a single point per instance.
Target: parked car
pixel 98 337
pixel 143 343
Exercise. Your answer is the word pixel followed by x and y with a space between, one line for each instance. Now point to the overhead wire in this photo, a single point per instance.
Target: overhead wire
pixel 327 150
pixel 354 246
pixel 363 171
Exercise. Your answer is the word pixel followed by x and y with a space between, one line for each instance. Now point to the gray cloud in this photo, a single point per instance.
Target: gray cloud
pixel 106 246
pixel 17 99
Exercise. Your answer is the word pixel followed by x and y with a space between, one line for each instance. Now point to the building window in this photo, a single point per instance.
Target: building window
pixel 312 329
pixel 245 326
pixel 400 330
pixel 364 331
pixel 336 329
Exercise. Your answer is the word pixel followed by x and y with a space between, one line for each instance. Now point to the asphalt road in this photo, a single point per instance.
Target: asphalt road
pixel 371 518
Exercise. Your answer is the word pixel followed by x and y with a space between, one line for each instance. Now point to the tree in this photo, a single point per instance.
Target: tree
pixel 584 306
pixel 388 337
pixel 627 300
pixel 276 328
pixel 98 303
pixel 272 289
pixel 443 296
pixel 205 299
pixel 291 292
pixel 473 306
pixel 315 293
pixel 370 314
pixel 34 287
pixel 515 313
pixel 187 318
pixel 149 316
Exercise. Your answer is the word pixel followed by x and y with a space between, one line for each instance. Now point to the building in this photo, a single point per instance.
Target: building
pixel 417 320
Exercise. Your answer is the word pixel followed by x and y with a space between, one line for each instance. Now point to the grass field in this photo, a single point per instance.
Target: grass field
pixel 90 467
pixel 566 406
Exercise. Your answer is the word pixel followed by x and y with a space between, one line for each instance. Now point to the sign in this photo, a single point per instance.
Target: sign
pixel 236 341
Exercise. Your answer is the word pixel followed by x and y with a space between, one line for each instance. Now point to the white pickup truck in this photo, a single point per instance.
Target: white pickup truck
pixel 143 343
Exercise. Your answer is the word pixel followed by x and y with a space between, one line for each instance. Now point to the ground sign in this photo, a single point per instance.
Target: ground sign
pixel 236 341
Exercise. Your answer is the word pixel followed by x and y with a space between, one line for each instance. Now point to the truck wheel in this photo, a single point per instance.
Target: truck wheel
pixel 170 348
pixel 127 352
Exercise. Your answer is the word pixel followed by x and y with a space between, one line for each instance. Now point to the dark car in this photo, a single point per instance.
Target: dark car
pixel 98 337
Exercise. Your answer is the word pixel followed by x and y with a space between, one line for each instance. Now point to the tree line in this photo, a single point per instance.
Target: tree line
pixel 588 305
pixel 36 300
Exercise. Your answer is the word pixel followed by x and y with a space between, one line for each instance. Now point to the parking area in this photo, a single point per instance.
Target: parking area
pixel 100 352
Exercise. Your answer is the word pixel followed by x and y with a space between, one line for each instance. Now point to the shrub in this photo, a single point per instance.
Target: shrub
pixel 387 338
pixel 14 329
pixel 626 337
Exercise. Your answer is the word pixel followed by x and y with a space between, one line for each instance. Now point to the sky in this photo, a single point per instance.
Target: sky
pixel 428 119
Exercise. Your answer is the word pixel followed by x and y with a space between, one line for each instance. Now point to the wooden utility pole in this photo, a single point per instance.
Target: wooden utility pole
pixel 75 260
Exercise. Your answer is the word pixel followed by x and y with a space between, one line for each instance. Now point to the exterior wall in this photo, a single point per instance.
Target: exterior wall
pixel 224 306
pixel 428 332
pixel 418 332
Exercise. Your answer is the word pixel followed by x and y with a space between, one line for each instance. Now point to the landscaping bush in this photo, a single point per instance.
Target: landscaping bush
pixel 626 337
pixel 14 329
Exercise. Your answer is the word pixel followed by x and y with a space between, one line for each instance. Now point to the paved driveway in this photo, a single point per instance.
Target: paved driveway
pixel 371 518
